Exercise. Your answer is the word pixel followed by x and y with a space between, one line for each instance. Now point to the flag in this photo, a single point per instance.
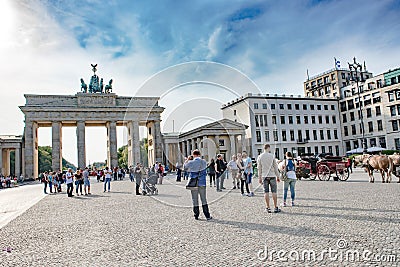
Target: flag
pixel 337 63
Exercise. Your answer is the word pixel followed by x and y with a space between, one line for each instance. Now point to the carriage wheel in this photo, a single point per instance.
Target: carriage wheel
pixel 156 192
pixel 324 173
pixel 313 176
pixel 343 175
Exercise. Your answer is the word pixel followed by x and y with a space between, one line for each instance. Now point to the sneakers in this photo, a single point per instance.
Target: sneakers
pixel 209 218
pixel 251 194
pixel 284 204
pixel 268 210
pixel 293 204
pixel 244 195
pixel 276 210
pixel 234 187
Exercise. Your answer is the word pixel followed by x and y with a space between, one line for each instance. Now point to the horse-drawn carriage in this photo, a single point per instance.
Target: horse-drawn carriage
pixel 310 167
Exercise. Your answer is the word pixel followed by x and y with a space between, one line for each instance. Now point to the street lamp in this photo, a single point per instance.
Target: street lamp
pixel 354 67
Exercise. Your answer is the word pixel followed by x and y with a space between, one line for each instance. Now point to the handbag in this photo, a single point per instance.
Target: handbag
pixel 193 183
pixel 284 174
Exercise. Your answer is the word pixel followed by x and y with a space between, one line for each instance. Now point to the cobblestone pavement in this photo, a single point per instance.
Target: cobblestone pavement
pixel 122 229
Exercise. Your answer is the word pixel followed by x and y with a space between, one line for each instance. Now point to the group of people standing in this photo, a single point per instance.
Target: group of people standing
pixel 240 167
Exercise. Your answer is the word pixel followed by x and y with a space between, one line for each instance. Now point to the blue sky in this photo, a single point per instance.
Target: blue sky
pixel 48 45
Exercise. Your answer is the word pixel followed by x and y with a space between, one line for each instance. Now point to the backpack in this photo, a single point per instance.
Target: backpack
pixel 290 165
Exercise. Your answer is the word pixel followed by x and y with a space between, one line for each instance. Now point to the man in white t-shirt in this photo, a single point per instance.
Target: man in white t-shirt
pixel 234 170
pixel 107 180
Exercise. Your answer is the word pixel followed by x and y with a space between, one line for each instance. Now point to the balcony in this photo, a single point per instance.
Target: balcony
pixel 302 141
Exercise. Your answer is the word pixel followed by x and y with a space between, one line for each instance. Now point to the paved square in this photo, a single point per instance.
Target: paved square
pixel 122 229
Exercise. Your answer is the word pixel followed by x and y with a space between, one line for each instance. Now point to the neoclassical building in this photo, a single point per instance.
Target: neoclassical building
pixel 10 144
pixel 224 137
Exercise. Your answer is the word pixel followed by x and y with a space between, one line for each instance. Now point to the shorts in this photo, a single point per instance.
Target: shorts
pixel 248 177
pixel 86 182
pixel 270 182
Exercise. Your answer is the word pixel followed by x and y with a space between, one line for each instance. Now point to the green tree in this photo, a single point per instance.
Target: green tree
pixel 45 153
pixel 123 156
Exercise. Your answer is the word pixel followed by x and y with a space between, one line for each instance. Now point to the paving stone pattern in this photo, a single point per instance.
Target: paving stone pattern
pixel 122 229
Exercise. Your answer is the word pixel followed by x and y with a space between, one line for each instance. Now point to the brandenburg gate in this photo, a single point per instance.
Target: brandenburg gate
pixel 93 106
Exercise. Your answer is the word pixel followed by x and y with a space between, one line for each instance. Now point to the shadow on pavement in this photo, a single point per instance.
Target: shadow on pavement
pixel 298 231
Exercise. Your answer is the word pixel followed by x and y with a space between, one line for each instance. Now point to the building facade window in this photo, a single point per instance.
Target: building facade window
pixel 256 120
pixel 313 119
pixel 352 117
pixel 272 106
pixel 291 135
pixel 334 119
pixel 258 136
pixel 382 142
pixel 304 106
pixel 281 106
pixel 314 133
pixel 325 107
pixel 328 134
pixel 369 113
pixel 344 118
pixel 397 143
pixel 395 126
pixel 335 134
pixel 327 119
pixel 312 107
pixel 264 106
pixel 307 134
pixel 290 119
pixel 320 119
pixel 353 129
pixel 289 106
pixel 321 134
pixel 318 107
pixel 297 106
pixel 284 135
pixel 305 119
pixel 393 111
pixel 273 119
pixel 298 120
pixel 380 126
pixel 266 135
pixel 316 150
pixel 275 133
pixel 255 105
pixel 300 135
pixel 378 110
pixel 370 127
pixel 346 131
pixel 282 119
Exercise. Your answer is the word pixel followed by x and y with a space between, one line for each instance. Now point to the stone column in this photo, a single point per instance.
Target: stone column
pixel 198 144
pixel 134 140
pixel 17 163
pixel 157 139
pixel 81 145
pixel 233 144
pixel 1 161
pixel 217 143
pixel 187 147
pixel 7 164
pixel 56 145
pixel 112 159
pixel 31 150
pixel 205 148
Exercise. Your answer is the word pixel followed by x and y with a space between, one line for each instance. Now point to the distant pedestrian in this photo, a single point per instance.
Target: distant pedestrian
pixel 78 181
pixel 160 171
pixel 289 165
pixel 268 175
pixel 211 172
pixel 234 170
pixel 50 179
pixel 248 172
pixel 107 180
pixel 86 181
pixel 220 170
pixel 131 173
pixel 185 171
pixel 178 172
pixel 45 181
pixel 197 168
pixel 138 177
pixel 241 175
pixel 55 182
pixel 69 180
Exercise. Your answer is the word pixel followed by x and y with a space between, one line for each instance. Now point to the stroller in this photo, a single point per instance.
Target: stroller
pixel 149 184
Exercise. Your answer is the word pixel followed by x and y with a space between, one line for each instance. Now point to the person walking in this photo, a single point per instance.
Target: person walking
pixel 248 172
pixel 268 175
pixel 211 172
pixel 234 170
pixel 289 166
pixel 160 171
pixel 185 171
pixel 138 177
pixel 241 175
pixel 178 172
pixel 86 181
pixel 51 181
pixel 197 169
pixel 44 181
pixel 221 168
pixel 107 180
pixel 69 180
pixel 55 182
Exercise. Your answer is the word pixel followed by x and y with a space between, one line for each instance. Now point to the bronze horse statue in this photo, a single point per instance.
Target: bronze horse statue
pixel 378 162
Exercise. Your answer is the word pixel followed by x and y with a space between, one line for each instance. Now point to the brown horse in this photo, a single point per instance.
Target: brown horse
pixel 396 163
pixel 379 162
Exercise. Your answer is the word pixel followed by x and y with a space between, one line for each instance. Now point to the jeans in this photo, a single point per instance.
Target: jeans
pixel 131 177
pixel 220 180
pixel 195 200
pixel 178 175
pixel 289 183
pixel 51 187
pixel 45 187
pixel 242 183
pixel 78 185
pixel 138 182
pixel 212 178
pixel 107 180
pixel 70 188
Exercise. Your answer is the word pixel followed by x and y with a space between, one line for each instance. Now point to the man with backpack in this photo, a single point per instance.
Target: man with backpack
pixel 289 167
pixel 268 175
